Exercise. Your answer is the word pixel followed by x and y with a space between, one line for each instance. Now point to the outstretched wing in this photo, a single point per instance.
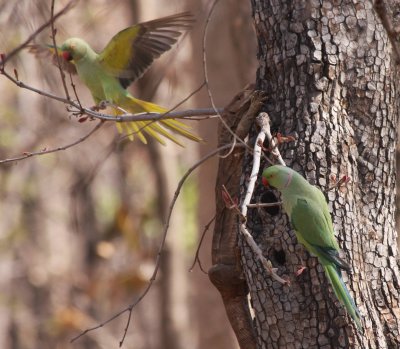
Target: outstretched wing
pixel 130 52
pixel 48 52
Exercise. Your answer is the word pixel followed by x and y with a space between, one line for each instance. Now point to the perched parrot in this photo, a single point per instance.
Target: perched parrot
pixel 125 58
pixel 309 215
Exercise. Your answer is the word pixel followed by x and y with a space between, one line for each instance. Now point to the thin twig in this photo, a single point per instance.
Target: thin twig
pixel 196 257
pixel 190 95
pixel 264 121
pixel 75 92
pixel 185 114
pixel 21 84
pixel 53 36
pixel 130 308
pixel 249 193
pixel 64 10
pixel 206 80
pixel 208 19
pixel 231 203
pixel 230 150
pixel 261 204
pixel 48 151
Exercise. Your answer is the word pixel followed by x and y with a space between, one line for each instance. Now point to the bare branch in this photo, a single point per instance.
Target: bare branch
pixel 79 110
pixel 196 257
pixel 130 308
pixel 48 151
pixel 204 53
pixel 53 36
pixel 21 84
pixel 234 135
pixel 260 204
pixel 63 11
pixel 262 120
pixel 191 94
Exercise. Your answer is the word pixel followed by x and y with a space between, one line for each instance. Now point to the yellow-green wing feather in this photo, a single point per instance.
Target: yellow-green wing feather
pixel 131 51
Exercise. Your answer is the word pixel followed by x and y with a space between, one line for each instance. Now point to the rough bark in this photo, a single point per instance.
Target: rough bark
pixel 226 273
pixel 329 73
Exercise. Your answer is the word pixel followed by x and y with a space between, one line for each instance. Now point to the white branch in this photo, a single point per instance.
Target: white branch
pixel 249 193
pixel 264 122
pixel 260 204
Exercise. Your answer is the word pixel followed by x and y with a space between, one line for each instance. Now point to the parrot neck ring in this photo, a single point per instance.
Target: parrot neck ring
pixel 289 180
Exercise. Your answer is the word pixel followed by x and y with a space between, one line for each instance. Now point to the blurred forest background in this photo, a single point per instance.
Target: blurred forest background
pixel 80 229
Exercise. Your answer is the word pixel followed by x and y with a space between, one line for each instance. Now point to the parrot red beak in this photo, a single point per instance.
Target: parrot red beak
pixel 265 182
pixel 67 56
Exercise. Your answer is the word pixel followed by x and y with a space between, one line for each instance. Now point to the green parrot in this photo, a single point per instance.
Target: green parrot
pixel 309 215
pixel 125 58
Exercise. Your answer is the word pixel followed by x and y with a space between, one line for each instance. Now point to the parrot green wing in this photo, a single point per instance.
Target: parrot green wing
pixel 131 51
pixel 48 51
pixel 324 206
pixel 313 226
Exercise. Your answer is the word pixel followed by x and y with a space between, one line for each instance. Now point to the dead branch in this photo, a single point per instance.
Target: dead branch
pixel 63 11
pixel 129 309
pixel 44 151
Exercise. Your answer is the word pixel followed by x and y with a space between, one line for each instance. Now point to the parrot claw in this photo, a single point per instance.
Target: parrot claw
pixel 280 139
pixel 95 108
pixel 284 139
pixel 101 106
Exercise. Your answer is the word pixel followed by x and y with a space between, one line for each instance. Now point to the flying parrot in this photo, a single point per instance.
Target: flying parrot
pixel 309 215
pixel 125 58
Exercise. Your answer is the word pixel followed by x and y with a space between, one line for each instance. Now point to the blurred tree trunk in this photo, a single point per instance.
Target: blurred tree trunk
pixel 231 63
pixel 176 331
pixel 330 77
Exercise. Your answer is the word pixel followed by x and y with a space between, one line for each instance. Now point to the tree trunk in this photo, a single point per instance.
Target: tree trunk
pixel 329 74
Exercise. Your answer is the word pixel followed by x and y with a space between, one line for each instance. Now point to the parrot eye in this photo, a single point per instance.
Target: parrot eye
pixel 67 56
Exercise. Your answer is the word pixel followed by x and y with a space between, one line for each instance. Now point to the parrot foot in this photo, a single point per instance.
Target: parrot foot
pixel 280 139
pixel 101 106
pixel 300 270
pixel 284 139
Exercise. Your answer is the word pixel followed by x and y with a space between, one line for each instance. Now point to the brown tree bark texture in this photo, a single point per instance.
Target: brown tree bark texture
pixel 226 274
pixel 330 77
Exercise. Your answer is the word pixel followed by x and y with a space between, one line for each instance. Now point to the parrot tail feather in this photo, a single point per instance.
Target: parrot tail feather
pixel 342 293
pixel 154 129
pixel 132 129
pixel 180 128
